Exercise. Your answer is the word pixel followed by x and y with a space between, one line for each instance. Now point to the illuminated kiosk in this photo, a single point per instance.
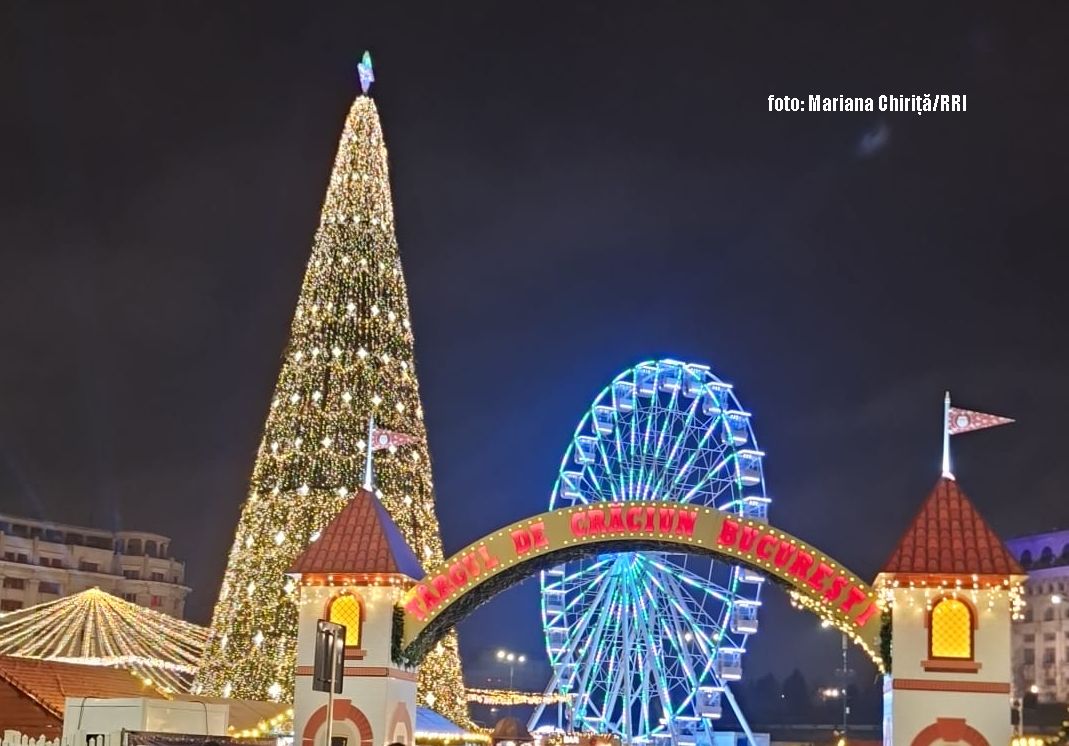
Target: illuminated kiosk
pixel 953 588
pixel 354 574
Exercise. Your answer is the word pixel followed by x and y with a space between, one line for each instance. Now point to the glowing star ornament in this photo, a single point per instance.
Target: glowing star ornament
pixel 367 74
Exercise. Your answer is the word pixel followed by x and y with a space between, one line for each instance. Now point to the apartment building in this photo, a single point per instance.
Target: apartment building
pixel 1041 639
pixel 41 561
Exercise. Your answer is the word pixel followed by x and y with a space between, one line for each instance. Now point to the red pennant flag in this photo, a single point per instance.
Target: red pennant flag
pixel 388 438
pixel 965 420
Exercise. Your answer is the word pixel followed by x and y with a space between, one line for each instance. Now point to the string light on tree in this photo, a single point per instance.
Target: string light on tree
pixel 340 368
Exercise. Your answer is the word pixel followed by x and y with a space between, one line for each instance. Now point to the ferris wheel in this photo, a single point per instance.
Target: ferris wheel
pixel 644 645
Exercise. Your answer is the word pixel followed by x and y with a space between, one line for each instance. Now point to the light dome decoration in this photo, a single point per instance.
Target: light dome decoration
pixel 96 628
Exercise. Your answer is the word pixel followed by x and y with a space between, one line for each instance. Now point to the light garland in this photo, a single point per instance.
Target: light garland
pixel 97 629
pixel 350 356
pixel 828 619
pixel 426 738
pixel 282 723
pixel 981 590
pixel 507 697
pixel 582 739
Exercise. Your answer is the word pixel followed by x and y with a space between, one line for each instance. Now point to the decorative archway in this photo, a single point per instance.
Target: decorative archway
pixel 488 566
pixel 344 711
pixel 950 730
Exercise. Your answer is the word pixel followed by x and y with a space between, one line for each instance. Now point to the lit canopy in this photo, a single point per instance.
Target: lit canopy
pixel 96 628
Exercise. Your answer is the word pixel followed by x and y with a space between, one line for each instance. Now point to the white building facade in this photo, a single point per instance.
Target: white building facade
pixel 1041 638
pixel 42 561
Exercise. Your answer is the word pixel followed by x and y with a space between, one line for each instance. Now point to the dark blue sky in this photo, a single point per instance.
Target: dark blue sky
pixel 578 186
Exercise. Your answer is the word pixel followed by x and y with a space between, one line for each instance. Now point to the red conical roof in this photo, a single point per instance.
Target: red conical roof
pixel 361 539
pixel 950 537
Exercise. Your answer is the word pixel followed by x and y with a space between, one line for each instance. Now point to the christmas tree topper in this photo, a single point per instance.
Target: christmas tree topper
pixel 367 74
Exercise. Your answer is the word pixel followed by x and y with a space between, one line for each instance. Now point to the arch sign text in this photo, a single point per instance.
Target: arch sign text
pixel 514 552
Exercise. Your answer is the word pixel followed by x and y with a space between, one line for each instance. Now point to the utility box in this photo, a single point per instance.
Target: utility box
pixel 85 717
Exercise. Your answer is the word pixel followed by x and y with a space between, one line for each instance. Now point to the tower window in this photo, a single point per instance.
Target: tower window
pixel 348 610
pixel 950 634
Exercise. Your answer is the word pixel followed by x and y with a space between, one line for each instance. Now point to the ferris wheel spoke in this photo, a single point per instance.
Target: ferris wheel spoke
pixel 711 473
pixel 653 673
pixel 668 419
pixel 591 652
pixel 649 630
pixel 616 496
pixel 692 579
pixel 574 632
pixel 678 637
pixel 699 450
pixel 663 581
pixel 682 435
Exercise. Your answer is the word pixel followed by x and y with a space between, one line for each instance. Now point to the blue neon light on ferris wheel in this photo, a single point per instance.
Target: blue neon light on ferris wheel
pixel 646 644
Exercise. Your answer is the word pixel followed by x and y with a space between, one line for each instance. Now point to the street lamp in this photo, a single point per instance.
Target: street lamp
pixel 507 656
pixel 844 672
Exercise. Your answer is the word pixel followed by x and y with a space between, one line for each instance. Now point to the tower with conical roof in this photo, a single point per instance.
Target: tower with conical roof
pixel 354 574
pixel 349 359
pixel 953 588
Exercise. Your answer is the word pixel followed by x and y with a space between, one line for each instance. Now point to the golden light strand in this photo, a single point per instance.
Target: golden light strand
pixel 97 629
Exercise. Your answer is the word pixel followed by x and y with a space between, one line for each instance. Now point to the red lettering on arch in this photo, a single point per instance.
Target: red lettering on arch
pixel 816 580
pixel 784 554
pixel 580 525
pixel 854 596
pixel 489 560
pixel 685 520
pixel 522 541
pixel 802 562
pixel 729 533
pixel 538 535
pixel 836 589
pixel 749 536
pixel 442 586
pixel 634 519
pixel 666 517
pixel 597 521
pixel 458 575
pixel 427 596
pixel 766 546
pixel 649 519
pixel 414 606
pixel 471 564
pixel 616 520
pixel 866 614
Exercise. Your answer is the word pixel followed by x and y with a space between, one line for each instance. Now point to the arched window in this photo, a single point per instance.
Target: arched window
pixel 1048 614
pixel 1046 556
pixel 1065 553
pixel 348 610
pixel 1026 559
pixel 950 634
pixel 150 548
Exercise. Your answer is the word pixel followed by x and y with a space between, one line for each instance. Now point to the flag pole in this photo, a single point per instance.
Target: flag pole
pixel 369 481
pixel 947 474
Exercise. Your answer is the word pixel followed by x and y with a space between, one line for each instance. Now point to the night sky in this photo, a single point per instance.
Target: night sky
pixel 578 187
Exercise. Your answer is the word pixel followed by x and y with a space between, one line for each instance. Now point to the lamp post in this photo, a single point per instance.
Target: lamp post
pixel 506 656
pixel 843 674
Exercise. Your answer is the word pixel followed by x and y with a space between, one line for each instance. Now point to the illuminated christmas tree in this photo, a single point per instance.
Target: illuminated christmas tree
pixel 350 358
